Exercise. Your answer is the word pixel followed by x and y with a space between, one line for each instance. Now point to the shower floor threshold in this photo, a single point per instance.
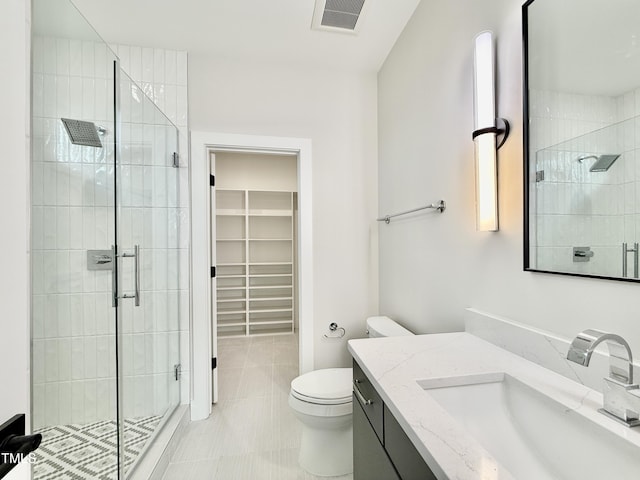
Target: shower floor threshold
pixel 80 452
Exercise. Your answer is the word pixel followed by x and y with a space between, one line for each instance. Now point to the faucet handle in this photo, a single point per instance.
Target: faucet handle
pixel 622 400
pixel 620 364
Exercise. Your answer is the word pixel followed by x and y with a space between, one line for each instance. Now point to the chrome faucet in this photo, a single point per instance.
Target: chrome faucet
pixel 621 395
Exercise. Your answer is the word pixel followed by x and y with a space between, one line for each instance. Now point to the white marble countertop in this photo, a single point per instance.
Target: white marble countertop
pixel 395 364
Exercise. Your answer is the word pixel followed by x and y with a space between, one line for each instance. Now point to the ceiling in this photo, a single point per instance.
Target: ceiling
pixel 271 31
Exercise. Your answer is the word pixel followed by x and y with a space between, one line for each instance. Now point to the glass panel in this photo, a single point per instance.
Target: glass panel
pixel 74 394
pixel 585 187
pixel 148 217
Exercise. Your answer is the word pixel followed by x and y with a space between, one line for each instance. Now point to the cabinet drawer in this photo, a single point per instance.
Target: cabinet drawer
pixel 407 460
pixel 369 400
pixel 370 461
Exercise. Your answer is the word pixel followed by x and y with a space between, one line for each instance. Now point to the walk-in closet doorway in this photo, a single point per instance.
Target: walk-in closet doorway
pixel 254 210
pixel 255 305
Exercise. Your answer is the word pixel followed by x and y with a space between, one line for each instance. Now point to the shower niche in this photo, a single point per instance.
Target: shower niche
pixel 105 341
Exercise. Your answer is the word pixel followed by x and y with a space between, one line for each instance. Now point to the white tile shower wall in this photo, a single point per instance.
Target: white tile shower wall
pixel 628 113
pixel 73 323
pixel 162 76
pixel 72 198
pixel 575 207
pixel 598 210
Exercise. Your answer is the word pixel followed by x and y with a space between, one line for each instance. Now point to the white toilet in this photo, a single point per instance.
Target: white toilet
pixel 322 401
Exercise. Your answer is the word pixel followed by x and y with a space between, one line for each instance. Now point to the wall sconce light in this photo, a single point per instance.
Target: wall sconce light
pixel 487 129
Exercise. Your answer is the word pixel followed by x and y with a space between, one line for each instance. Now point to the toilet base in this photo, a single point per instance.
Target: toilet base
pixel 327 451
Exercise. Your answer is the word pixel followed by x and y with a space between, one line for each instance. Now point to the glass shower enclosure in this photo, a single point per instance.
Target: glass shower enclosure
pixel 105 263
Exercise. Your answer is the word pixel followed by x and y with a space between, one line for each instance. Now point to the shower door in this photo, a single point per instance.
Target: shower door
pixel 73 322
pixel 148 269
pixel 104 250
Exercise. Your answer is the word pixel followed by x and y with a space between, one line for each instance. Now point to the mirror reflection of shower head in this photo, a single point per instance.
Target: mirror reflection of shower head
pixel 602 163
pixel 83 133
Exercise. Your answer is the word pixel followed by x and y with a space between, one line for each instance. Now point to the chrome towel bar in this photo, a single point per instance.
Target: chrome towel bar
pixel 440 206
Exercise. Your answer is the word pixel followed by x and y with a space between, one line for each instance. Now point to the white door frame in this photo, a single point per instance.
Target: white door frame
pixel 202 143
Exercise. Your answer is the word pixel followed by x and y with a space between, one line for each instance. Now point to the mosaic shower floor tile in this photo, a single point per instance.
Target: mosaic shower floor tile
pixel 83 452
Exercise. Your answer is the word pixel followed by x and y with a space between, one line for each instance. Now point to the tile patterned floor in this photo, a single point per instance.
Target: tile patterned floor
pixel 252 433
pixel 81 452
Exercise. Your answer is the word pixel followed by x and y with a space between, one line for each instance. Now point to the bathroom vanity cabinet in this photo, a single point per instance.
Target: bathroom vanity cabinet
pixel 381 449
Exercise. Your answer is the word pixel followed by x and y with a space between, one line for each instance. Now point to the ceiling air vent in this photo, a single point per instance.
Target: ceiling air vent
pixel 337 15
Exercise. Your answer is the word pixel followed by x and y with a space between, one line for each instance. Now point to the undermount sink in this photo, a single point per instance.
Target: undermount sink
pixel 531 434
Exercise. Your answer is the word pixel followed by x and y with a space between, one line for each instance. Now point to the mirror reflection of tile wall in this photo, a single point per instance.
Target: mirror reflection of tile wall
pixel 576 207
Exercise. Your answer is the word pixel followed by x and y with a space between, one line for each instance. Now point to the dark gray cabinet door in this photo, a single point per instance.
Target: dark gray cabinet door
pixel 370 461
pixel 404 455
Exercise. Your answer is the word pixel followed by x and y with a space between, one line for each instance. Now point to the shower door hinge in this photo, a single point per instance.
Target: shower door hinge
pixel 540 176
pixel 214 363
pixel 177 371
pixel 213 272
pixel 176 160
pixel 212 180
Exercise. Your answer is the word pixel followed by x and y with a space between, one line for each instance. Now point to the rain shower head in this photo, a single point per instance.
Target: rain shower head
pixel 602 163
pixel 83 133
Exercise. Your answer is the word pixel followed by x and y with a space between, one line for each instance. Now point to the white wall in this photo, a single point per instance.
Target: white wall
pixel 337 111
pixel 433 266
pixel 239 171
pixel 14 196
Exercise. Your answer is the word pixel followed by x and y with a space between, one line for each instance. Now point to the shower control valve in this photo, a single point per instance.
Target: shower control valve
pixel 582 254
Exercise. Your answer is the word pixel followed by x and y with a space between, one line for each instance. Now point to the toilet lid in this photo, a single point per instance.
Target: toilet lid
pixel 329 385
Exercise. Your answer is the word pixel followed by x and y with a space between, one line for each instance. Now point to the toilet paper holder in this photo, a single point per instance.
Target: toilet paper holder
pixel 336 331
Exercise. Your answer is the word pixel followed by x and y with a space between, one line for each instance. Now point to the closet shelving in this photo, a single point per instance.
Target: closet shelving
pixel 255 262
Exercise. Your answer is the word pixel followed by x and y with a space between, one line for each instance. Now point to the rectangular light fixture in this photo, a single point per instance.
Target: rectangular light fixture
pixel 485 134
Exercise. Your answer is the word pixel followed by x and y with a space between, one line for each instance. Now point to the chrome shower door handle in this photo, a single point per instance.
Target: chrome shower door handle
pixel 136 252
pixel 625 251
pixel 136 265
pixel 114 273
pixel 136 274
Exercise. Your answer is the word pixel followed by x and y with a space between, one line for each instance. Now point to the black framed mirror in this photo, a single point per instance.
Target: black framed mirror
pixel 582 137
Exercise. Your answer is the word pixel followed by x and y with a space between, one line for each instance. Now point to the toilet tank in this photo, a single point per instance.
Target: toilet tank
pixel 383 326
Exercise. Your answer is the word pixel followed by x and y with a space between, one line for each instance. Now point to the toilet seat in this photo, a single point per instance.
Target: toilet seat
pixel 318 409
pixel 321 401
pixel 329 386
